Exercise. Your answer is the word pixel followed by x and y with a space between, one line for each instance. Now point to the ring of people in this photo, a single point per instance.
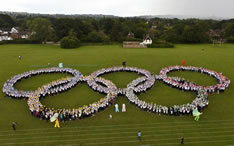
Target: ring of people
pixel 99 84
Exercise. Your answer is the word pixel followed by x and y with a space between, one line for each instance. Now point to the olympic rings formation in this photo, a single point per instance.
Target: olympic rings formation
pixel 223 81
pixel 104 86
pixel 149 78
pixel 9 89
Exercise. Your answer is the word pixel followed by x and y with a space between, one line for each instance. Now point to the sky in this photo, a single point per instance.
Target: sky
pixel 201 8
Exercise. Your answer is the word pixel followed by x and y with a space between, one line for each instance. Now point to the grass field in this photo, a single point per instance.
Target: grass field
pixel 216 125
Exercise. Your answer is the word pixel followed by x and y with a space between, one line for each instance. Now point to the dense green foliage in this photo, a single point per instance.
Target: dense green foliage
pixel 20 41
pixel 230 39
pixel 229 30
pixel 6 21
pixel 214 128
pixel 117 29
pixel 41 29
pixel 70 41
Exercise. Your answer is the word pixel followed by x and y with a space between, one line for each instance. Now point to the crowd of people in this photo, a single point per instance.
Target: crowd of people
pixel 190 86
pixel 141 84
pixel 9 90
pixel 43 112
pixel 200 102
pixel 99 84
pixel 108 88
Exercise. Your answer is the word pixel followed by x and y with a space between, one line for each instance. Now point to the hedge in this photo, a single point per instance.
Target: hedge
pixel 19 41
pixel 161 44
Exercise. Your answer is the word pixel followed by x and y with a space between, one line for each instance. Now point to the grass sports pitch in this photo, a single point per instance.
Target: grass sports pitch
pixel 216 125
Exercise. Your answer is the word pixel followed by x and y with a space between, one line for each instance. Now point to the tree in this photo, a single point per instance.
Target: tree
pixel 116 34
pixel 6 21
pixel 41 29
pixel 94 37
pixel 230 39
pixel 140 32
pixel 70 41
pixel 194 34
pixel 229 30
pixel 95 24
pixel 107 25
pixel 64 25
pixel 170 36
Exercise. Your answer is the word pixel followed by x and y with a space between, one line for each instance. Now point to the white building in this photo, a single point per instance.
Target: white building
pixel 5 37
pixel 23 35
pixel 147 40
pixel 12 33
pixel 14 30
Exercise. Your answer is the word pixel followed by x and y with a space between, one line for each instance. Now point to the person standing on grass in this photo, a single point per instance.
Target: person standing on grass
pixel 123 107
pixel 182 140
pixel 139 135
pixel 56 124
pixel 13 125
pixel 124 63
pixel 116 108
pixel 183 62
pixel 110 117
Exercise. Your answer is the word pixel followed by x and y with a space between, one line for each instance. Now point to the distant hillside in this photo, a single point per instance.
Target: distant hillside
pixel 181 17
pixel 25 14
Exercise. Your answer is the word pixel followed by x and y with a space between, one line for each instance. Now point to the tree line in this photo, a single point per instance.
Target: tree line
pixel 105 30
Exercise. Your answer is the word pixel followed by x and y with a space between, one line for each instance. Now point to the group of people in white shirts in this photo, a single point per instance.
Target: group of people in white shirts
pixel 200 102
pixel 107 87
pixel 66 114
pixel 9 90
pixel 190 86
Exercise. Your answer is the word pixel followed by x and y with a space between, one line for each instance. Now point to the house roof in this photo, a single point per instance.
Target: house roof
pixel 130 34
pixel 147 37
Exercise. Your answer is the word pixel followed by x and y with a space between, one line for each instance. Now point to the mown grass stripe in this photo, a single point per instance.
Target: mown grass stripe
pixel 130 128
pixel 176 143
pixel 120 133
pixel 107 138
pixel 127 125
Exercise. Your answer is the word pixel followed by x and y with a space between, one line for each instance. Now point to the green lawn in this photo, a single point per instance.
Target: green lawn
pixel 216 125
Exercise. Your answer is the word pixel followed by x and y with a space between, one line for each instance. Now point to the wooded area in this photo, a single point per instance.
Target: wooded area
pixel 119 29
